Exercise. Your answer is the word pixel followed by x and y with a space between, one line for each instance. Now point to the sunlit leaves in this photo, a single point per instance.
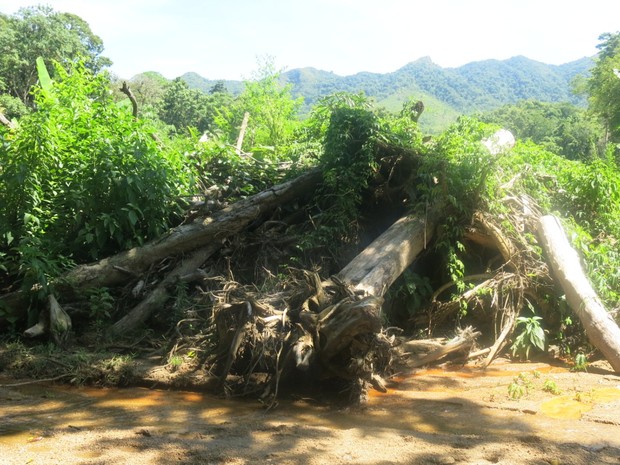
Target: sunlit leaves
pixel 81 178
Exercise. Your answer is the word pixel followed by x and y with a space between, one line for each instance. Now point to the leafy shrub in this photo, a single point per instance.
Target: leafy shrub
pixel 81 179
pixel 531 336
pixel 585 194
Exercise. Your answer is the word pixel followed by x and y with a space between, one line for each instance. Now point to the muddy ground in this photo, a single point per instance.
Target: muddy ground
pixel 509 414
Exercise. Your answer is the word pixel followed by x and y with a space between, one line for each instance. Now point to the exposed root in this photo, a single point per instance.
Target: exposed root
pixel 501 292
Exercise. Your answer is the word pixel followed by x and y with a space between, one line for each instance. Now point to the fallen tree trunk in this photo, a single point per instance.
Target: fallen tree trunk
pixel 338 330
pixel 160 295
pixel 185 238
pixel 376 268
pixel 602 330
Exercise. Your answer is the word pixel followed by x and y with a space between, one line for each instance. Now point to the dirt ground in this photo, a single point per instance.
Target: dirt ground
pixel 510 414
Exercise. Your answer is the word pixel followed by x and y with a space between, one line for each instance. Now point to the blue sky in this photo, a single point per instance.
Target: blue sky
pixel 224 39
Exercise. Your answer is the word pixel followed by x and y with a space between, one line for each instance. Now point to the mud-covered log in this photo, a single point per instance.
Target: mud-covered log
pixel 601 329
pixel 188 237
pixel 376 268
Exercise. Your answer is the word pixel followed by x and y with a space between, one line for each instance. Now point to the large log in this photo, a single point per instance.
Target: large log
pixel 188 237
pixel 602 330
pixel 376 268
pixel 350 330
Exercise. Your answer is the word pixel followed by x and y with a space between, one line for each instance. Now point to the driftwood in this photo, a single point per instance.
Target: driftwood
pixel 337 331
pixel 188 237
pixel 376 268
pixel 601 329
pixel 461 345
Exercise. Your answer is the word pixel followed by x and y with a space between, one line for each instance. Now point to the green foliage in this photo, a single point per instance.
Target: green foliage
pixel 186 108
pixel 41 32
pixel 272 111
pixel 453 175
pixel 414 290
pixel 581 362
pixel 81 179
pixel 520 386
pixel 604 84
pixel 234 174
pixel 148 88
pixel 551 387
pixel 100 304
pixel 457 167
pixel 561 128
pixel 586 195
pixel 12 107
pixel 531 336
pixel 348 162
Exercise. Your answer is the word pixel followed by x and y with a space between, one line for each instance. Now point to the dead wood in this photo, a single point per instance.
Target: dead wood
pixel 212 230
pixel 53 320
pixel 376 268
pixel 134 103
pixel 244 127
pixel 502 289
pixel 157 298
pixel 601 329
pixel 5 121
pixel 337 328
pixel 461 345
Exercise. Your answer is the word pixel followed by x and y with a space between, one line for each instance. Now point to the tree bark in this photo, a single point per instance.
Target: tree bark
pixel 244 126
pixel 160 295
pixel 134 103
pixel 5 121
pixel 350 324
pixel 602 330
pixel 186 238
pixel 376 268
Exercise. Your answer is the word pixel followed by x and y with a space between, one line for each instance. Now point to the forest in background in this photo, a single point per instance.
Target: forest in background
pixel 448 92
pixel 91 167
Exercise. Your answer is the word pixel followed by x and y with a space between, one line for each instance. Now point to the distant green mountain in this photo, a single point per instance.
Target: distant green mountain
pixel 196 81
pixel 446 92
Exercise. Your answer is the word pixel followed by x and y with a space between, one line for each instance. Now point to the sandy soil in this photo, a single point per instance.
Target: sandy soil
pixel 435 416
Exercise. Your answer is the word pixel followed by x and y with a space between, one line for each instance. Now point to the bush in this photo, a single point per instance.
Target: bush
pixel 80 178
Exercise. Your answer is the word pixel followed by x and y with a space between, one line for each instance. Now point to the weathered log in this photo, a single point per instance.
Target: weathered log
pixel 376 268
pixel 347 329
pixel 601 329
pixel 345 336
pixel 161 294
pixel 53 320
pixel 460 344
pixel 188 237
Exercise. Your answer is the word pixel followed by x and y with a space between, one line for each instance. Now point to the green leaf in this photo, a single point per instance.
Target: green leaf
pixel 133 218
pixel 44 77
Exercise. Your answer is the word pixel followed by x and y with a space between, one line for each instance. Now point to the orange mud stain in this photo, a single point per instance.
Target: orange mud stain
pixel 572 407
pixel 468 372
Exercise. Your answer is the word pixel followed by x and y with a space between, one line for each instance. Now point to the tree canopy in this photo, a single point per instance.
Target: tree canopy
pixel 604 84
pixel 40 31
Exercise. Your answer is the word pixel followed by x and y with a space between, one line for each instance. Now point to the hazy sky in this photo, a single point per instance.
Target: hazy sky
pixel 223 39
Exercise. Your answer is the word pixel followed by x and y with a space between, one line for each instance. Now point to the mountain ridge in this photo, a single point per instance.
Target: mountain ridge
pixel 447 92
